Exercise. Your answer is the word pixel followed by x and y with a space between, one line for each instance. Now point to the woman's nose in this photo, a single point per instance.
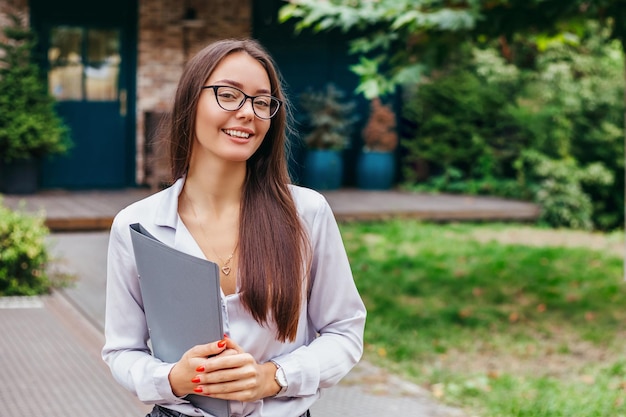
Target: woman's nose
pixel 247 108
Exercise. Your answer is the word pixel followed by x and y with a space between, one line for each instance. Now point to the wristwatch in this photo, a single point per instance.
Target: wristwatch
pixel 280 378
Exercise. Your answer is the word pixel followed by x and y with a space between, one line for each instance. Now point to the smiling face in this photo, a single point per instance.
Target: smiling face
pixel 225 135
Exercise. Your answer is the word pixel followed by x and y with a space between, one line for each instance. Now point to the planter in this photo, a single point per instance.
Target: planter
pixel 375 170
pixel 20 176
pixel 323 169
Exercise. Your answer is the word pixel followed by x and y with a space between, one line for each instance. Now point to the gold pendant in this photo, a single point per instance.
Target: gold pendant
pixel 226 269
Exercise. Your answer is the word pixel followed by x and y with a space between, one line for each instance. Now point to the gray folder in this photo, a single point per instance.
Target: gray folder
pixel 182 303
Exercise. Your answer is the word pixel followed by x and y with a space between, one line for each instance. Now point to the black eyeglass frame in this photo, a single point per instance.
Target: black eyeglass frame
pixel 245 98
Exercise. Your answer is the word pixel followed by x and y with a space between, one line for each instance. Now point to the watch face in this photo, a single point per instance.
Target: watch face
pixel 281 378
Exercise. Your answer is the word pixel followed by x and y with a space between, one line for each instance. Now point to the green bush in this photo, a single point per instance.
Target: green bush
pixel 557 186
pixel 574 105
pixel 29 124
pixel 461 121
pixel 471 124
pixel 23 254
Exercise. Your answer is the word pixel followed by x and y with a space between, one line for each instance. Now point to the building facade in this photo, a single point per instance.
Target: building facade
pixel 113 68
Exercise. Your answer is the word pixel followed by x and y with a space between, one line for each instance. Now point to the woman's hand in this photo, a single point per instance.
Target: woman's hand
pixel 186 369
pixel 234 375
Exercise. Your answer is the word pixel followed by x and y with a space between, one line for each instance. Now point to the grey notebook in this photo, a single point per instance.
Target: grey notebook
pixel 182 302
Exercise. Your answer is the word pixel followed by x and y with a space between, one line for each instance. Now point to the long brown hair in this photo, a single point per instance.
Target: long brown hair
pixel 274 247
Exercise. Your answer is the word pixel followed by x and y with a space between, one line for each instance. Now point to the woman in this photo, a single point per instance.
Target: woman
pixel 292 315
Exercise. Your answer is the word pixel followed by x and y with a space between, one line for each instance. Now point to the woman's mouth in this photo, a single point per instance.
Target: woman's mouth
pixel 237 133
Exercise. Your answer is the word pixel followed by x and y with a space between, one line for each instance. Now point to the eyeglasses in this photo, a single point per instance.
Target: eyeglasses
pixel 232 99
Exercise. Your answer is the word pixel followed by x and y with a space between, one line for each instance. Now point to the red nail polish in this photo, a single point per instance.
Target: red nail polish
pixel 196 380
pixel 221 344
pixel 197 389
pixel 225 336
pixel 200 368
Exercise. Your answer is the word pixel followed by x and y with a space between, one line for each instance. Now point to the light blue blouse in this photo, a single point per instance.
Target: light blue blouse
pixel 329 341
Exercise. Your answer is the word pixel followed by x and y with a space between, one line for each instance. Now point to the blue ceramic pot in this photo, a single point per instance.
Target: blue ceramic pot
pixel 323 169
pixel 375 170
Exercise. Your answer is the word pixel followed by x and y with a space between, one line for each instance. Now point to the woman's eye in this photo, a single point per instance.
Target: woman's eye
pixel 227 96
pixel 262 102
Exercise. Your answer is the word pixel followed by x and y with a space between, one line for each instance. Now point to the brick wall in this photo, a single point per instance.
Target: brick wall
pixel 166 41
pixel 8 7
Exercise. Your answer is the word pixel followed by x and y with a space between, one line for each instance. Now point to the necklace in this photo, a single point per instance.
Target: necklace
pixel 225 267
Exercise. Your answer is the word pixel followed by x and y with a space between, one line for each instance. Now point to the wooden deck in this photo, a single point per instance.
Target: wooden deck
pixel 94 210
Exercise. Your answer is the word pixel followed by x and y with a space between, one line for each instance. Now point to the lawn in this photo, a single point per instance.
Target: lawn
pixel 499 320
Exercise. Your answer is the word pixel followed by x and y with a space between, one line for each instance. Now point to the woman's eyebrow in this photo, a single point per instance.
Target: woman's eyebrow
pixel 240 86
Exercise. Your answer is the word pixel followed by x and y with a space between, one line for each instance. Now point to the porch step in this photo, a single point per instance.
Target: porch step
pixel 95 210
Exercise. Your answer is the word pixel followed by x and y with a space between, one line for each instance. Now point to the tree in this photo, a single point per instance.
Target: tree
pixel 396 40
pixel 399 40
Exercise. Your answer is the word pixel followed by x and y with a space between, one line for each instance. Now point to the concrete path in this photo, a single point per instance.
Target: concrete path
pixel 50 346
pixel 366 391
pixel 51 366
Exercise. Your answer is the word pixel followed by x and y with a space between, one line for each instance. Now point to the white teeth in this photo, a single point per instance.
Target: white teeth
pixel 237 133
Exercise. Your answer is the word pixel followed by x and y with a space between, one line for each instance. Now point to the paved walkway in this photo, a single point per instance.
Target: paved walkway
pixel 50 362
pixel 50 345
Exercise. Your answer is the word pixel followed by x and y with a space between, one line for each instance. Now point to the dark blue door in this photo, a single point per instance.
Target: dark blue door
pixel 89 59
pixel 83 76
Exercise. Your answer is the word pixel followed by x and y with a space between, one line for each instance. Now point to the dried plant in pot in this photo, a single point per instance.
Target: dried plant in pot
pixel 379 134
pixel 376 166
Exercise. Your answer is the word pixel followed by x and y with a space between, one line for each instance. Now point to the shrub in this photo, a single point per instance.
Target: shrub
pixel 557 186
pixel 29 124
pixel 471 122
pixel 461 117
pixel 23 254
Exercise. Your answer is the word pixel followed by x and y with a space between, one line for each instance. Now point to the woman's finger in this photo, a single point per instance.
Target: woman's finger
pixel 231 344
pixel 206 350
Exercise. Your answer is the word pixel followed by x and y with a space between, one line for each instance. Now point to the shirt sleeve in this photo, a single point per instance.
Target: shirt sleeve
pixel 335 310
pixel 126 349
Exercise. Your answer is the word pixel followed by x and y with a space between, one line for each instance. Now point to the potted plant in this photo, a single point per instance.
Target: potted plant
pixel 376 164
pixel 329 119
pixel 29 126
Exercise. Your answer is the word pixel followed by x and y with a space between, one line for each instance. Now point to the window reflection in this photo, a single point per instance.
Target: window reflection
pixel 84 64
pixel 102 71
pixel 64 56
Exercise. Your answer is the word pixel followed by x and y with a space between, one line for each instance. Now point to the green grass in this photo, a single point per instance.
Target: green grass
pixel 499 329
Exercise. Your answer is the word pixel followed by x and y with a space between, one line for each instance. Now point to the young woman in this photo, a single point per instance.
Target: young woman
pixel 292 315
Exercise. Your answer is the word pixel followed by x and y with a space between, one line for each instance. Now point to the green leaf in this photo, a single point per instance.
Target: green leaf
pixel 411 74
pixel 370 89
pixel 287 12
pixel 366 66
pixel 413 18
